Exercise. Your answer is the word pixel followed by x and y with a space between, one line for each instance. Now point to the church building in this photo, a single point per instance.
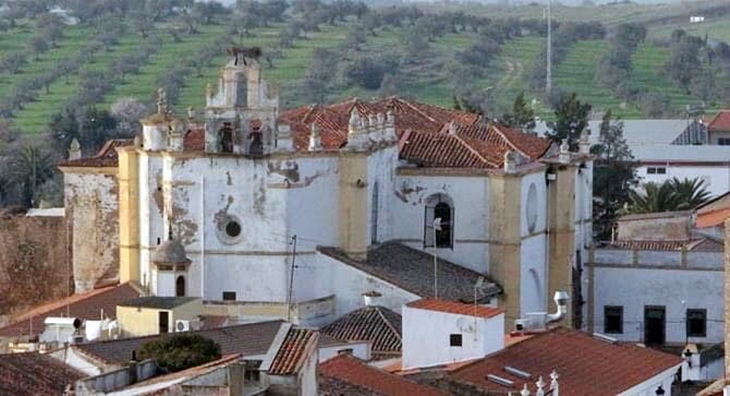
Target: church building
pixel 265 212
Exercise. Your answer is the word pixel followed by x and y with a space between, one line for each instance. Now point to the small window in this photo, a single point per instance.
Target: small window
pixel 455 340
pixel 661 171
pixel 233 229
pixel 229 296
pixel 697 323
pixel 613 319
pixel 439 234
pixel 651 171
pixel 723 141
pixel 165 268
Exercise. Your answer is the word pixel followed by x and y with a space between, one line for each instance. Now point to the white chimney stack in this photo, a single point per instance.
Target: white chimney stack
pixel 371 298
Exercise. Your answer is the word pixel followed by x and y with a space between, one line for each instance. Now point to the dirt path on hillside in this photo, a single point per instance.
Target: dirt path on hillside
pixel 512 72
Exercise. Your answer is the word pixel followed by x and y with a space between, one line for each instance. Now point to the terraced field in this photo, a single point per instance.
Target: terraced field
pixel 647 62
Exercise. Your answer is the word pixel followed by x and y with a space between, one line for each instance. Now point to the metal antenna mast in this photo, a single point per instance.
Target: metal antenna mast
pixel 291 277
pixel 549 73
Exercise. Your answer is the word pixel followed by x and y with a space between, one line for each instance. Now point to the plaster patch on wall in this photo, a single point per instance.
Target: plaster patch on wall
pixel 406 190
pixel 228 178
pixel 289 169
pixel 259 199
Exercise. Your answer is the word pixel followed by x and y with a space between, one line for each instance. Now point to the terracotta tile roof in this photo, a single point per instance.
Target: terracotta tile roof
pixel 703 244
pixel 34 374
pixel 346 369
pixel 587 366
pixel 294 351
pixel 721 122
pixel 454 307
pixel 248 339
pixel 379 325
pixel 106 157
pixel 412 270
pixel 85 306
pixel 333 120
pixel 713 213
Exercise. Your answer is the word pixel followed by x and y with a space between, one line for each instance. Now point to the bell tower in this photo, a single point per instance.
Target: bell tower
pixel 241 114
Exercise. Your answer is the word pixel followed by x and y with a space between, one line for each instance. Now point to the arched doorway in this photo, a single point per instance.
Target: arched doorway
pixel 180 286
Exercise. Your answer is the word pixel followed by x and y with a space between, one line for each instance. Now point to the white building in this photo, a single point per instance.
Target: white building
pixel 297 213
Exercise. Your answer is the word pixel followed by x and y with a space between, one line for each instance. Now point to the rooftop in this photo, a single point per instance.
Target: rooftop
pixel 85 306
pixel 379 325
pixel 157 302
pixel 680 154
pixel 345 374
pixel 721 122
pixel 106 157
pixel 636 132
pixel 35 374
pixel 412 270
pixel 713 213
pixel 701 244
pixel 454 307
pixel 251 339
pixel 586 365
pixel 292 354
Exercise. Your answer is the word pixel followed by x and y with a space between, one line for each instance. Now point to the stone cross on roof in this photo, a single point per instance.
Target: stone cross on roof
pixel 161 101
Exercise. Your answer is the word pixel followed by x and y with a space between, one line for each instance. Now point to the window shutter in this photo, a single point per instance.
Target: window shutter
pixel 429 235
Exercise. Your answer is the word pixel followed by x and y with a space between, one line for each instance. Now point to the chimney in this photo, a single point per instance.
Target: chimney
pixel 74 150
pixel 315 140
pixel 371 298
pixel 132 367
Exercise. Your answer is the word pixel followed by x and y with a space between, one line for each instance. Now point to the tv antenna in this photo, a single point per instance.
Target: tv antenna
pixel 549 71
pixel 293 242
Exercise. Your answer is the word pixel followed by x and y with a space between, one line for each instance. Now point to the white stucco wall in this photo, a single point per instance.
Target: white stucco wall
pixel 717 177
pixel 533 251
pixel 381 170
pixel 649 387
pixel 426 337
pixel 349 283
pixel 634 288
pixel 471 207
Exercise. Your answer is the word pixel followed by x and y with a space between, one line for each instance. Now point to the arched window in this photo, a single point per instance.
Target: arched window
pixel 439 222
pixel 180 286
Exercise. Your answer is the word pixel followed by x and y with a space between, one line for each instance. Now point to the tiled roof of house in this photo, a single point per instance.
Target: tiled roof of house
pixel 713 213
pixel 293 352
pixel 379 325
pixel 156 302
pixel 412 270
pixel 721 122
pixel 106 157
pixel 355 376
pixel 586 366
pixel 34 374
pixel 85 306
pixel 248 339
pixel 454 307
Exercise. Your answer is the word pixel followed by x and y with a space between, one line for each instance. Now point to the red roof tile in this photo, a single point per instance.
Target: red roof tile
pixel 586 366
pixel 349 370
pixel 106 157
pixel 194 139
pixel 35 374
pixel 294 351
pixel 704 244
pixel 85 306
pixel 454 307
pixel 379 325
pixel 721 122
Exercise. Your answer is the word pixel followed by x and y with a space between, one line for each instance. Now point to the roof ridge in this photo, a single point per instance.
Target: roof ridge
pixel 416 109
pixel 506 139
pixel 310 110
pixel 387 323
pixel 473 150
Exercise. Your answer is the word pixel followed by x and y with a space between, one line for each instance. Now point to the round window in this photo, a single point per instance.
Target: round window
pixel 233 229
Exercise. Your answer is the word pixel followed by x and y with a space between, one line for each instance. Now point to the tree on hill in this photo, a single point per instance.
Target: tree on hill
pixel 12 63
pixel 522 115
pixel 614 174
pixel 571 118
pixel 180 351
pixel 672 195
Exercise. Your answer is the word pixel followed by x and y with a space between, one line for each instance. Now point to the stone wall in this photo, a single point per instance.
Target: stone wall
pixel 34 262
pixel 655 227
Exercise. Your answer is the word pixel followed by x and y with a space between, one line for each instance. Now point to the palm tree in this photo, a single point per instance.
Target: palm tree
pixel 28 169
pixel 671 195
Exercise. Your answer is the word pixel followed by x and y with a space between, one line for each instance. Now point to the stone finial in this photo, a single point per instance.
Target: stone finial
pixel 390 116
pixel 209 90
pixel 525 391
pixel 354 121
pixel 540 387
pixel 584 144
pixel 372 122
pixel 315 140
pixel 191 113
pixel 554 382
pixel 381 119
pixel 564 156
pixel 161 101
pixel 74 150
pixel 510 162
